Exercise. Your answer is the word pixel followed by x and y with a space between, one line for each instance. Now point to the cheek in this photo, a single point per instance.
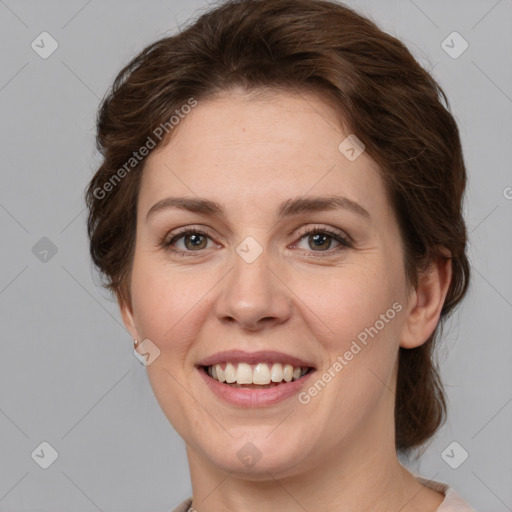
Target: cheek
pixel 361 317
pixel 169 312
pixel 353 300
pixel 167 304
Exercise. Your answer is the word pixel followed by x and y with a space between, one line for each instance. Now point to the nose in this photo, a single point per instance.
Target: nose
pixel 253 296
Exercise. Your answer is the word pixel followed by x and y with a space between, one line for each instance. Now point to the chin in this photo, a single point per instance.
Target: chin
pixel 255 456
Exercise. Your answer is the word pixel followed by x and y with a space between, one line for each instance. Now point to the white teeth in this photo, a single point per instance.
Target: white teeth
pixel 260 374
pixel 243 374
pixel 230 373
pixel 221 376
pixel 277 372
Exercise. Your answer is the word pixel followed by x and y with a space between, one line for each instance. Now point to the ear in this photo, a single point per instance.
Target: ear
pixel 127 314
pixel 426 302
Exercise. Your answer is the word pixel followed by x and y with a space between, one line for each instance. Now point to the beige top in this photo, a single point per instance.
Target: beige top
pixel 452 502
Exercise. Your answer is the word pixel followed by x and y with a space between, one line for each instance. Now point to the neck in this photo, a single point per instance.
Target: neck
pixel 362 474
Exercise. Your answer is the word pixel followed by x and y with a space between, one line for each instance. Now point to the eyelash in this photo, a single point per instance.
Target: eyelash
pixel 345 242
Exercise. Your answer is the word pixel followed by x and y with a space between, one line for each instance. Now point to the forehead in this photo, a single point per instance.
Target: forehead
pixel 241 149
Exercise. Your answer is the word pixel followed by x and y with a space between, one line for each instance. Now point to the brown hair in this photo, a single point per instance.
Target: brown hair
pixel 383 96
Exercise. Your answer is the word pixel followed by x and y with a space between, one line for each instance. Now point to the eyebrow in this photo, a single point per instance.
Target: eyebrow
pixel 290 207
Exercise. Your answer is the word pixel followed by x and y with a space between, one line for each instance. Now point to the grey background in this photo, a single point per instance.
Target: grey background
pixel 67 372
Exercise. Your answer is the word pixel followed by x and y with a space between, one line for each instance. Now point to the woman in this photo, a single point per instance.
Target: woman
pixel 279 214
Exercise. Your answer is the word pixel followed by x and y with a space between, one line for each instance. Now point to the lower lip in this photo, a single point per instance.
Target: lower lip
pixel 251 397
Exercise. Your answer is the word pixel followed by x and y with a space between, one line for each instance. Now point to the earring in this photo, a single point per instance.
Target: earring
pixel 135 343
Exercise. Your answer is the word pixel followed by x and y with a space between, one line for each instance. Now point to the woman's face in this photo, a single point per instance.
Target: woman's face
pixel 267 273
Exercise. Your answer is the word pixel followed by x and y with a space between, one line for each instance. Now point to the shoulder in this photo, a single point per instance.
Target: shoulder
pixel 183 506
pixel 452 502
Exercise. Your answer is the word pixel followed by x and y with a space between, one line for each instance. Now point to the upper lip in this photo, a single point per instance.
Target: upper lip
pixel 240 356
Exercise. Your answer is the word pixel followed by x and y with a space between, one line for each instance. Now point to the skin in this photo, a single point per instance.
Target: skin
pixel 250 154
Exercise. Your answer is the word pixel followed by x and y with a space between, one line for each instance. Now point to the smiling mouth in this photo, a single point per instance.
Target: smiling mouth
pixel 255 376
